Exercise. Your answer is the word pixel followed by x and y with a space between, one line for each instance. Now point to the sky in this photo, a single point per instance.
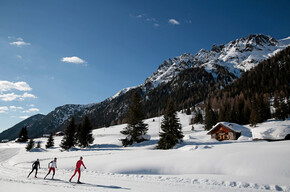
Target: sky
pixel 61 52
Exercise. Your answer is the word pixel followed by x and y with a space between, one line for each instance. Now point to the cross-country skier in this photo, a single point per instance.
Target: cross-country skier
pixel 78 169
pixel 35 166
pixel 51 166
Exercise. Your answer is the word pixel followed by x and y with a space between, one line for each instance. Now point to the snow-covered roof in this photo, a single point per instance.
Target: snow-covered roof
pixel 234 127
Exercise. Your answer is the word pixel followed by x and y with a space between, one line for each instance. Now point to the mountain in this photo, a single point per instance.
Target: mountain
pixel 236 56
pixel 14 131
pixel 187 78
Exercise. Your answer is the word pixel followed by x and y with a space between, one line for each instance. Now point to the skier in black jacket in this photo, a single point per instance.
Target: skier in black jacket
pixel 35 166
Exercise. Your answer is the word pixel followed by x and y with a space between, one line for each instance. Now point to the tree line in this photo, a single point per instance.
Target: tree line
pixel 248 100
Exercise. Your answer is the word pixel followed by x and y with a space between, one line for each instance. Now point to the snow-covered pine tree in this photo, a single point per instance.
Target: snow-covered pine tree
pixel 50 141
pixel 30 145
pixel 85 136
pixel 136 128
pixel 69 139
pixel 171 128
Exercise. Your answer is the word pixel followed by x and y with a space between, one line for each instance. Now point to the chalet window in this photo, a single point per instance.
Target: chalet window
pixel 219 137
pixel 226 137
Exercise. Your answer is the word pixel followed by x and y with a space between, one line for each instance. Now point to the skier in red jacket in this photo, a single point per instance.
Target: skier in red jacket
pixel 78 169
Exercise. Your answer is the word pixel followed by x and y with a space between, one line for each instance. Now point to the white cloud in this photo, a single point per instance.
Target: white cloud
pixel 4 109
pixel 14 108
pixel 23 117
pixel 19 56
pixel 140 16
pixel 156 24
pixel 31 110
pixel 13 96
pixel 19 42
pixel 20 86
pixel 151 19
pixel 174 22
pixel 188 21
pixel 74 59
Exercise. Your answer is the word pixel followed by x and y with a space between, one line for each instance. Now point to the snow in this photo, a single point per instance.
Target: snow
pixel 272 129
pixel 123 91
pixel 198 164
pixel 236 56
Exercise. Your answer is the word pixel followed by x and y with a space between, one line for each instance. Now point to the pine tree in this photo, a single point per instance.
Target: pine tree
pixel 188 111
pixel 171 128
pixel 38 145
pixel 50 141
pixel 210 117
pixel 276 105
pixel 283 109
pixel 85 136
pixel 23 137
pixel 69 139
pixel 136 128
pixel 30 145
pixel 266 111
pixel 254 117
pixel 198 117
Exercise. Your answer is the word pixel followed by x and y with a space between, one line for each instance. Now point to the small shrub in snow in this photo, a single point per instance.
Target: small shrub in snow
pixel 30 145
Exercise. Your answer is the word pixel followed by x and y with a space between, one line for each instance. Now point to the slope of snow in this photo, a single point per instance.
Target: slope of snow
pixel 197 164
pixel 272 129
pixel 123 91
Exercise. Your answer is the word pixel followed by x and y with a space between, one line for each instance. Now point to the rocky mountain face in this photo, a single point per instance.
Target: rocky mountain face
pixel 187 78
pixel 236 57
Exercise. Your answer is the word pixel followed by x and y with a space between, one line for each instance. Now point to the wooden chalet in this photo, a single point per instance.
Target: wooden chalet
pixel 226 131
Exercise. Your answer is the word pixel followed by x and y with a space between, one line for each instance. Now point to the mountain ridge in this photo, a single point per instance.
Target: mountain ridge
pixel 223 63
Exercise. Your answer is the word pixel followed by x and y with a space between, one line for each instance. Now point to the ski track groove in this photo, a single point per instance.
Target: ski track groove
pixel 10 172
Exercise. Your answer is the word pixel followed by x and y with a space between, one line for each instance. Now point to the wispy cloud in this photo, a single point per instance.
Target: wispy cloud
pixel 20 86
pixel 4 109
pixel 31 110
pixel 14 108
pixel 140 16
pixel 173 22
pixel 146 18
pixel 75 60
pixel 23 117
pixel 188 21
pixel 19 56
pixel 19 42
pixel 13 96
pixel 7 86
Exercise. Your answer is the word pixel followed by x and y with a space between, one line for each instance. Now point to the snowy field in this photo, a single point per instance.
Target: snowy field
pixel 199 164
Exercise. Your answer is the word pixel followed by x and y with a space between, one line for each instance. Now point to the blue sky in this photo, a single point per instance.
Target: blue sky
pixel 80 51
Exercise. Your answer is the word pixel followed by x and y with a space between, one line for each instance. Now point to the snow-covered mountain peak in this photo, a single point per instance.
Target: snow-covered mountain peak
pixel 236 56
